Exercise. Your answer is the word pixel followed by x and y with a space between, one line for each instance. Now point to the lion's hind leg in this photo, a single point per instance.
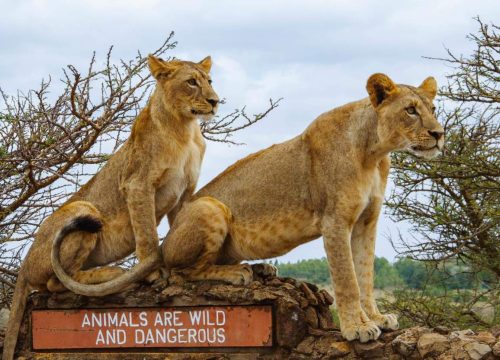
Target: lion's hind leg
pixel 77 246
pixel 195 240
pixel 75 250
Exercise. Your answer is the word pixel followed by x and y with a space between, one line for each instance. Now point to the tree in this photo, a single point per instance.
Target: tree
pixel 386 275
pixel 413 273
pixel 452 202
pixel 51 145
pixel 312 270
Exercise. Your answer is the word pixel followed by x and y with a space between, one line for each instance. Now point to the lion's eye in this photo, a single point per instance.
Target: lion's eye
pixel 411 110
pixel 192 82
pixel 210 81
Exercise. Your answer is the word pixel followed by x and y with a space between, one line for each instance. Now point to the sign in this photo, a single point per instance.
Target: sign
pixel 206 326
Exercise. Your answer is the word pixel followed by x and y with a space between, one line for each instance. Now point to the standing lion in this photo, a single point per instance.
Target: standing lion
pixel 329 181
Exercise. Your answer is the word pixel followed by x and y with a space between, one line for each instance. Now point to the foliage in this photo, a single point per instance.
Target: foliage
pixel 421 293
pixel 404 273
pixel 452 203
pixel 386 275
pixel 454 309
pixel 335 315
pixel 311 270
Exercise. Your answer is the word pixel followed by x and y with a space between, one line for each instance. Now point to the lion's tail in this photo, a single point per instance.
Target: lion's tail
pixel 19 300
pixel 93 224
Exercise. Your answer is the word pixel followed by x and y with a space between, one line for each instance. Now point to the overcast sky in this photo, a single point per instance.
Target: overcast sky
pixel 315 54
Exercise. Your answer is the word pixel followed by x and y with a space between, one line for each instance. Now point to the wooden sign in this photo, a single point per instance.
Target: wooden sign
pixel 207 326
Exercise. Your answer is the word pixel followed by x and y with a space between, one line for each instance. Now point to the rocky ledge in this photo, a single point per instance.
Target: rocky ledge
pixel 304 328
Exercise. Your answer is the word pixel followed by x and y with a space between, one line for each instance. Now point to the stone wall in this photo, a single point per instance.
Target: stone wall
pixel 303 326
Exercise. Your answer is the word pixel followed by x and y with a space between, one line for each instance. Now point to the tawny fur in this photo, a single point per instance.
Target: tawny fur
pixel 150 176
pixel 329 181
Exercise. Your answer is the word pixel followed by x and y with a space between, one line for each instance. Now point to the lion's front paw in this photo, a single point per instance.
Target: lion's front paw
pixel 386 322
pixel 151 278
pixel 241 275
pixel 363 332
pixel 265 270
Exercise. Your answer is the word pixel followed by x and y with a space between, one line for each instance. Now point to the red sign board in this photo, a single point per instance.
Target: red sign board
pixel 207 326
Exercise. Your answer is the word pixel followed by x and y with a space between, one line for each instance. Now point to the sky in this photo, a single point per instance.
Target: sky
pixel 315 54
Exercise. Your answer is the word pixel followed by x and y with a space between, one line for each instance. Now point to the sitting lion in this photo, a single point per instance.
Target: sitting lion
pixel 329 181
pixel 118 210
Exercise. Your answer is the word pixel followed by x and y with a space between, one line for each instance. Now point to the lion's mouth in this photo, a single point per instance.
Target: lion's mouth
pixel 423 148
pixel 197 112
pixel 426 152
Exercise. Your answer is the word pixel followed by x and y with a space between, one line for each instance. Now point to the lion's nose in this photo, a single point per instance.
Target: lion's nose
pixel 436 134
pixel 213 102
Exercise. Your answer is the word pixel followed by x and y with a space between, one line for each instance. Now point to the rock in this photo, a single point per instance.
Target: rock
pixel 306 346
pixel 288 286
pixel 336 335
pixel 432 344
pixel 274 282
pixel 310 296
pixel 389 336
pixel 443 330
pixel 406 343
pixel 303 326
pixel 320 297
pixel 462 335
pixel 291 326
pixel 303 303
pixel 495 331
pixel 447 356
pixel 227 293
pixel 496 349
pixel 314 288
pixel 338 349
pixel 466 344
pixel 325 319
pixel 485 337
pixel 291 281
pixel 330 347
pixel 311 317
pixel 326 295
pixel 172 291
pixel 261 295
pixel 160 283
pixel 369 350
pixel 477 351
pixel 456 352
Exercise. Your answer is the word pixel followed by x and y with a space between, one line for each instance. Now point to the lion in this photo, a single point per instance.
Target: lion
pixel 118 210
pixel 329 181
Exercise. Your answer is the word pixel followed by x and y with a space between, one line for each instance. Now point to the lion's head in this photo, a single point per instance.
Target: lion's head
pixel 186 86
pixel 406 117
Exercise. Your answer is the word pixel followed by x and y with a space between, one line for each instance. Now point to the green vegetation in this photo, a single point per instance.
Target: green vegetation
pixel 312 270
pixel 422 293
pixel 452 202
pixel 387 275
pixel 404 273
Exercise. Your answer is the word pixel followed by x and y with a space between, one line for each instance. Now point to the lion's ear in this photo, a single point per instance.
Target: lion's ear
pixel 206 64
pixel 429 86
pixel 159 67
pixel 380 87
